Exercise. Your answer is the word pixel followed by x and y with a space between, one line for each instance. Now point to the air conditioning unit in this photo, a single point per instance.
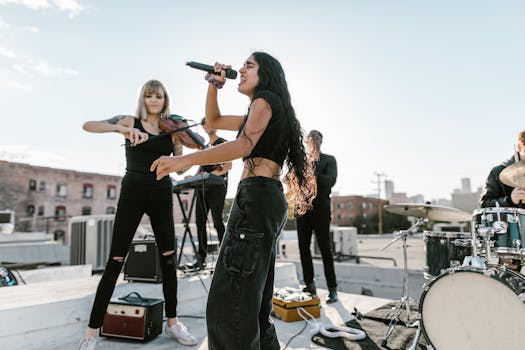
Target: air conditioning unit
pixel 343 240
pixel 89 237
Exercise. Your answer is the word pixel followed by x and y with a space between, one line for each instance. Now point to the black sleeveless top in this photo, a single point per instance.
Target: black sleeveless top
pixel 140 157
pixel 274 142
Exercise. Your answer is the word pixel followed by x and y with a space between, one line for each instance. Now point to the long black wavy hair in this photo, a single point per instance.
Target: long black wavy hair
pixel 299 179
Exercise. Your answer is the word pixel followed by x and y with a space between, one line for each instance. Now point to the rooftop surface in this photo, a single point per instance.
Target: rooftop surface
pixel 51 311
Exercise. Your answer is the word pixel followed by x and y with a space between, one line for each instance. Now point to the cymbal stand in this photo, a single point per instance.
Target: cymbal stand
pixel 404 303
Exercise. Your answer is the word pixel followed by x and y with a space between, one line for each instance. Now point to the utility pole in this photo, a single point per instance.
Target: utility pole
pixel 379 208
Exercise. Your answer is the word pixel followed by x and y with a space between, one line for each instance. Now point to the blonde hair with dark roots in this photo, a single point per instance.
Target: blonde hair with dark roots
pixel 152 87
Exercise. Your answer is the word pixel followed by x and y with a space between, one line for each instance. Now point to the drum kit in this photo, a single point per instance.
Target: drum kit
pixel 474 297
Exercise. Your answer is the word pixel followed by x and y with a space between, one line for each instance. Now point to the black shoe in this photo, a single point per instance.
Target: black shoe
pixel 198 264
pixel 332 296
pixel 310 288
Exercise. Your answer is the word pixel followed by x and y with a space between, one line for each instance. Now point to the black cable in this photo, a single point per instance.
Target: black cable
pixel 295 335
pixel 19 277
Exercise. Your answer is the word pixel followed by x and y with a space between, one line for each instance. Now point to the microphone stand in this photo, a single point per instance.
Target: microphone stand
pixel 404 304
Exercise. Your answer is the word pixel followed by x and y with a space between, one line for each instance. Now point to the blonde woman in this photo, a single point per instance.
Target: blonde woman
pixel 141 194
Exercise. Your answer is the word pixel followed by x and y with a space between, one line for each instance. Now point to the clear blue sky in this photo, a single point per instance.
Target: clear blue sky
pixel 426 92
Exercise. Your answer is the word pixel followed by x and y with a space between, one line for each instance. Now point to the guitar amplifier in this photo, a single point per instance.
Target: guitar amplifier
pixel 142 263
pixel 133 317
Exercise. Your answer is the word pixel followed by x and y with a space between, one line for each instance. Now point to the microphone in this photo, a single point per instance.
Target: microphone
pixel 230 73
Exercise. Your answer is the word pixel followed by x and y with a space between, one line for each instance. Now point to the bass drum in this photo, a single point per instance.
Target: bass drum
pixel 466 308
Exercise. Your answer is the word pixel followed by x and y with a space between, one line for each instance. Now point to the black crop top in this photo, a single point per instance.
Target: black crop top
pixel 140 157
pixel 274 142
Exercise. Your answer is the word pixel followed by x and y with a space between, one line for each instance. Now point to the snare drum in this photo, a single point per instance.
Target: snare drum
pixel 467 308
pixel 506 243
pixel 444 249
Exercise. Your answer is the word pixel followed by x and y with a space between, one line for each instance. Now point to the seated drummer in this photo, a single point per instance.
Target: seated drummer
pixel 496 192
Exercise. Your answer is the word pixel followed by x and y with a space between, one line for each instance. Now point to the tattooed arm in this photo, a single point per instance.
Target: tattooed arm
pixel 123 124
pixel 119 123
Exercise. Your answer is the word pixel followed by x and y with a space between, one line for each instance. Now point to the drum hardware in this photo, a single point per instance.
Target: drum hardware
pixel 424 213
pixel 404 303
pixel 500 227
pixel 462 242
pixel 504 226
pixel 476 262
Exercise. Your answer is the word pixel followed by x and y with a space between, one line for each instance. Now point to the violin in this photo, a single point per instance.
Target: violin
pixel 177 124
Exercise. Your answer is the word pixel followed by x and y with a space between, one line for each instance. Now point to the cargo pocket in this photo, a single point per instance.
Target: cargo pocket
pixel 241 251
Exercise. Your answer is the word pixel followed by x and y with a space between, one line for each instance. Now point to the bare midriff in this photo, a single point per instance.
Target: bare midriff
pixel 261 167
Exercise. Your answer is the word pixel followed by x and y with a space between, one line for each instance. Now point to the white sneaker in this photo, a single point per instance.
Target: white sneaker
pixel 181 334
pixel 88 344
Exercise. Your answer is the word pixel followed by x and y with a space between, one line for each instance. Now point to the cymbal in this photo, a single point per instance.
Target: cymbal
pixel 514 175
pixel 431 212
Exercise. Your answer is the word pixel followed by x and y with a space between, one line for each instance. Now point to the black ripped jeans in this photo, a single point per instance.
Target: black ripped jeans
pixel 136 199
pixel 240 298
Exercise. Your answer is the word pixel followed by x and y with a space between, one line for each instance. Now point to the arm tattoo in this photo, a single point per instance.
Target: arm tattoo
pixel 115 119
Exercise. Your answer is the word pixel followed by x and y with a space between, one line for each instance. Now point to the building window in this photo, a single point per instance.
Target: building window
pixel 365 215
pixel 112 192
pixel 339 216
pixel 61 190
pixel 40 210
pixel 42 186
pixel 59 235
pixel 350 205
pixel 86 210
pixel 32 185
pixel 30 210
pixel 363 205
pixel 87 191
pixel 350 217
pixel 340 205
pixel 110 210
pixel 60 213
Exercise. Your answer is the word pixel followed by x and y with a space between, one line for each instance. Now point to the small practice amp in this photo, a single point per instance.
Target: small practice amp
pixel 142 263
pixel 133 317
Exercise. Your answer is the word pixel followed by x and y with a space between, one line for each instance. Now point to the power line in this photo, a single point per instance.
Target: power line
pixel 379 208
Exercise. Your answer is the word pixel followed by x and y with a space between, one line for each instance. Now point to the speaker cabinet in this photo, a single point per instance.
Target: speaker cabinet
pixel 143 262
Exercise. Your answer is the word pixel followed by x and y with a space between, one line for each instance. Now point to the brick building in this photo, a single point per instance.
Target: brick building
pixel 345 209
pixel 44 198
